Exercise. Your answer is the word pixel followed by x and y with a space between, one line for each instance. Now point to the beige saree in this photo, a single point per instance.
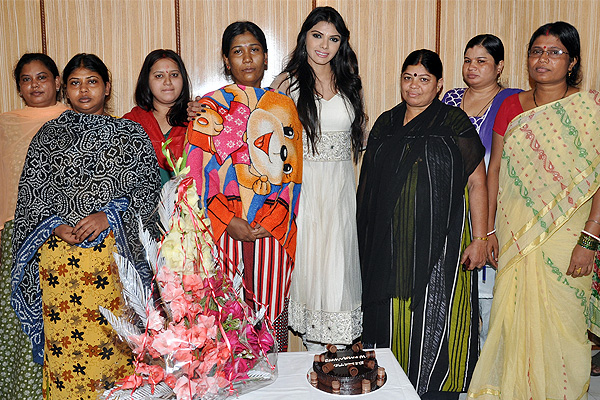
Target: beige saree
pixel 537 347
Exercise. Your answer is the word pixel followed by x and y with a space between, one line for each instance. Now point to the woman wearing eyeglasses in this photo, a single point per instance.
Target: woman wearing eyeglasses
pixel 543 179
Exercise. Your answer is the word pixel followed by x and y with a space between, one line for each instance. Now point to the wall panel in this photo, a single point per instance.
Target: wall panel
pixel 203 23
pixel 120 32
pixel 514 21
pixel 383 33
pixel 20 32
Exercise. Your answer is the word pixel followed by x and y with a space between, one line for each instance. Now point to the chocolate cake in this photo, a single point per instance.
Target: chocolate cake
pixel 351 371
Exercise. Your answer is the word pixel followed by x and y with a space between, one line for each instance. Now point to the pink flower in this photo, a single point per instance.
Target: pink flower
pixel 143 343
pixel 155 321
pixel 183 355
pixel 185 389
pixel 232 308
pixel 192 283
pixel 234 341
pixel 170 380
pixel 171 291
pixel 189 368
pixel 215 354
pixel 207 384
pixel 154 373
pixel 209 324
pixel 265 338
pixel 166 342
pixel 197 336
pixel 139 342
pixel 193 310
pixel 131 382
pixel 165 276
pixel 215 283
pixel 237 369
pixel 179 329
pixel 179 307
pixel 259 339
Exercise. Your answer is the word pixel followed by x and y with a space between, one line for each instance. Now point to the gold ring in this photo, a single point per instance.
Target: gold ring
pixel 579 270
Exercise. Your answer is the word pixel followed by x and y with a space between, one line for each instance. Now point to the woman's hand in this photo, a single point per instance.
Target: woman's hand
pixel 260 232
pixel 492 250
pixel 240 229
pixel 474 255
pixel 193 108
pixel 65 232
pixel 90 227
pixel 582 262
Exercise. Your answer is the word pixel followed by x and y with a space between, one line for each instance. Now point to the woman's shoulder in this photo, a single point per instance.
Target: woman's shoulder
pixel 511 105
pixel 34 113
pixel 386 119
pixel 137 114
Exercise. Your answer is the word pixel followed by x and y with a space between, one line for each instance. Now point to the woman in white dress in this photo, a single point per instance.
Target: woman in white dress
pixel 322 78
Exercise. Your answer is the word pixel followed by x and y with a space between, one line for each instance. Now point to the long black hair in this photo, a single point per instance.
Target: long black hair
pixel 41 57
pixel 569 37
pixel 177 115
pixel 346 80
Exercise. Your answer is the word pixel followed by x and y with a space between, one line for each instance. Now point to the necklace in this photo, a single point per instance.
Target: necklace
pixel 486 104
pixel 535 88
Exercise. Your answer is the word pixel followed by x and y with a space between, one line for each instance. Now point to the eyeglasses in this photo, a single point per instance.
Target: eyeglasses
pixel 552 53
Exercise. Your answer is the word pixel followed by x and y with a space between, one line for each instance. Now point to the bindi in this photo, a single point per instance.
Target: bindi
pixel 415 74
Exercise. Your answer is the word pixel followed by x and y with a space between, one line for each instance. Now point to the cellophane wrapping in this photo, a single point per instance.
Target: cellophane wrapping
pixel 200 340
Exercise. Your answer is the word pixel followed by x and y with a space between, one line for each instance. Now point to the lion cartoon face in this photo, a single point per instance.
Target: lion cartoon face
pixel 274 139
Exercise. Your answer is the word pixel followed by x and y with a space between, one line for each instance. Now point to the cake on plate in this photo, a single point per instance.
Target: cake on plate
pixel 350 371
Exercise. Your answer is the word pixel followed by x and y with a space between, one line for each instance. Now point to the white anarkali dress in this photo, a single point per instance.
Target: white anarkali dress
pixel 325 295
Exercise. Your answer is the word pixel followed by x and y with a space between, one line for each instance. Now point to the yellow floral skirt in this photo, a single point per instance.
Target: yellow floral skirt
pixel 82 354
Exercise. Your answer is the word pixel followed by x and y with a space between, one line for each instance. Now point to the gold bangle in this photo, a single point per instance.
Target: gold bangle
pixel 484 238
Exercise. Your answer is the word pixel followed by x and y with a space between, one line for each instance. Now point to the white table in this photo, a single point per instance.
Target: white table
pixel 291 384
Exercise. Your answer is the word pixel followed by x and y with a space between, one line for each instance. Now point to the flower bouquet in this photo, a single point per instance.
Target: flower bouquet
pixel 204 342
